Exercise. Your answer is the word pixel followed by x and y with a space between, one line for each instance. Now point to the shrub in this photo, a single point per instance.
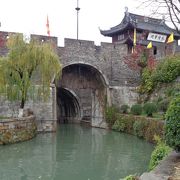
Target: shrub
pixel 119 125
pixel 136 109
pixel 150 108
pixel 124 108
pixel 124 124
pixel 139 127
pixel 172 128
pixel 160 151
pixel 111 115
pixel 154 128
pixel 168 70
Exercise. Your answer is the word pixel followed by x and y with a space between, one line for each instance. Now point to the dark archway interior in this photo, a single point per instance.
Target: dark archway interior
pixel 80 94
pixel 68 106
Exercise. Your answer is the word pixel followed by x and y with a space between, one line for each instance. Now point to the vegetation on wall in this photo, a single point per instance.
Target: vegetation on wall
pixel 139 59
pixel 166 71
pixel 24 62
pixel 147 81
pixel 111 115
pixel 140 126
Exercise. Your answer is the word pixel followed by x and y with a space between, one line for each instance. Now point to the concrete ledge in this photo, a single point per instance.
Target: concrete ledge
pixel 164 170
pixel 17 129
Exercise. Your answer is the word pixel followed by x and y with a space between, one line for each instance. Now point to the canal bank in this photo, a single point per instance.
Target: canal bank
pixel 147 128
pixel 168 169
pixel 15 130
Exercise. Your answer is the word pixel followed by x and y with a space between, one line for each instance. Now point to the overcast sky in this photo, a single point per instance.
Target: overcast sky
pixel 29 16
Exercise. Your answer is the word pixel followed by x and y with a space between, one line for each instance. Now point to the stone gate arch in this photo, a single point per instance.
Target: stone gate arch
pixel 68 106
pixel 90 88
pixel 103 76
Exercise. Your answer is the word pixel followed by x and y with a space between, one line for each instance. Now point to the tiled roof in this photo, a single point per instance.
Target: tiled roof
pixel 142 23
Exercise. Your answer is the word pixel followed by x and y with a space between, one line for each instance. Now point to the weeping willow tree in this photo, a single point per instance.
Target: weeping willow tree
pixel 27 66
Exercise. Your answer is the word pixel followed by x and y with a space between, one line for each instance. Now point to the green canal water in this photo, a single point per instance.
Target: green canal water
pixel 75 153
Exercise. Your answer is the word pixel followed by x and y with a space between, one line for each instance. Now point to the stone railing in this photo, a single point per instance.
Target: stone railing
pixel 14 130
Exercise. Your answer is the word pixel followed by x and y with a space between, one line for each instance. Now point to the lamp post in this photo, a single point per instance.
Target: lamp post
pixel 77 9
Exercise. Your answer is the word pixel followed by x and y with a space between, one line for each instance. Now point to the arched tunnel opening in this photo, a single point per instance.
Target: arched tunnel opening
pixel 81 95
pixel 68 106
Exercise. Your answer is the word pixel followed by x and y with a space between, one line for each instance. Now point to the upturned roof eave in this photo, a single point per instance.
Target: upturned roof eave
pixel 176 34
pixel 113 31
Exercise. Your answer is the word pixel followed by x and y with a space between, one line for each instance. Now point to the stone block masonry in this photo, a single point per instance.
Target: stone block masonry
pixel 91 66
pixel 108 59
pixel 45 112
pixel 17 130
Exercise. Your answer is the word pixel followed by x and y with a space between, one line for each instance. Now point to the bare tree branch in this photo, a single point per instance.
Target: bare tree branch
pixel 170 9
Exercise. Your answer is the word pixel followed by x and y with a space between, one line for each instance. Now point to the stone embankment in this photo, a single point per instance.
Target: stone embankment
pixel 168 169
pixel 15 130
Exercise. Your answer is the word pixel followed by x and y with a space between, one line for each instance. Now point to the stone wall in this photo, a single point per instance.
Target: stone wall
pixel 107 60
pixel 121 95
pixel 45 112
pixel 17 130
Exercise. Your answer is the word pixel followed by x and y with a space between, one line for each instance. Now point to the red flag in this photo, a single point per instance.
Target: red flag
pixel 47 25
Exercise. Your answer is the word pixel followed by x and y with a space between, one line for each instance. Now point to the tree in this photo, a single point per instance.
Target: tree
pixel 25 66
pixel 169 9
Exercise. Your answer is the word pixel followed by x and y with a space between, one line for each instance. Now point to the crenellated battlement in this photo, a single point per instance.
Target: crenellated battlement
pixel 68 43
pixel 90 44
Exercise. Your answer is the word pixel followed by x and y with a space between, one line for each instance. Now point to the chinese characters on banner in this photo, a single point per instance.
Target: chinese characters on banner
pixel 156 37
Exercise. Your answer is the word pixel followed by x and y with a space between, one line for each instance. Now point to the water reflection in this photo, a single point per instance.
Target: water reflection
pixel 77 153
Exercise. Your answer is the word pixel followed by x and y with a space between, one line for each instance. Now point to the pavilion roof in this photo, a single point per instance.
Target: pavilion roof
pixel 131 21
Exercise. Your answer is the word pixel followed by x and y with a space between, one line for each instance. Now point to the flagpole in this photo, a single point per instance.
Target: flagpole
pixel 47 26
pixel 77 9
pixel 134 40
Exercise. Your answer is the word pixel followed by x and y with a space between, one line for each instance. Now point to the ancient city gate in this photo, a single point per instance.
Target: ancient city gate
pixel 92 77
pixel 81 95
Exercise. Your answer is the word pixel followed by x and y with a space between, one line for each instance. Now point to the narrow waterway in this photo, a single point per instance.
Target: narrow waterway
pixel 75 153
